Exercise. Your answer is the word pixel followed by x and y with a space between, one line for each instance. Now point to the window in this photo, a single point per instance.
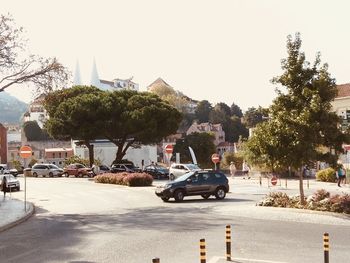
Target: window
pixel 59 155
pixel 66 154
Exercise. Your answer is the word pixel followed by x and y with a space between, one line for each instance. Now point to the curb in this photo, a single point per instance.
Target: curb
pixel 20 220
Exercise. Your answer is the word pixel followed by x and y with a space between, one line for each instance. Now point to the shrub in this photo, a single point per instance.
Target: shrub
pixel 129 179
pixel 326 175
pixel 320 195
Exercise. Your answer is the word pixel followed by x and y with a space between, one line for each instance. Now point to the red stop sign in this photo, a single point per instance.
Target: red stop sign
pixel 215 158
pixel 169 148
pixel 25 152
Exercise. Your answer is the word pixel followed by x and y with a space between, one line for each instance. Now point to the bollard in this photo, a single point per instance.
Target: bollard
pixel 260 180
pixel 203 258
pixel 156 260
pixel 326 247
pixel 308 185
pixel 228 243
pixel 286 182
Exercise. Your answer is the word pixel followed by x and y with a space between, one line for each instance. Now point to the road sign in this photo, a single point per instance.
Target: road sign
pixel 25 152
pixel 215 158
pixel 169 148
pixel 274 180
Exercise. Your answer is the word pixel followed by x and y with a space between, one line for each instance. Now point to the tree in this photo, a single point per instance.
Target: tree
pixel 33 132
pixel 133 118
pixel 300 119
pixel 202 111
pixel 17 67
pixel 253 116
pixel 201 143
pixel 76 113
pixel 236 110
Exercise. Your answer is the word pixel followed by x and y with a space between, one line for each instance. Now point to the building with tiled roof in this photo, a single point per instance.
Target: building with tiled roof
pixel 208 127
pixel 341 104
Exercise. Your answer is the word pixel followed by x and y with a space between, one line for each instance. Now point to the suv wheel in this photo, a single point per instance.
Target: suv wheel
pixel 205 196
pixel 171 177
pixel 179 195
pixel 220 193
pixel 35 174
pixel 80 175
pixel 50 174
pixel 165 199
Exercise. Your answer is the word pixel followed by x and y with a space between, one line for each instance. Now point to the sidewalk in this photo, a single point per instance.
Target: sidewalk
pixel 12 212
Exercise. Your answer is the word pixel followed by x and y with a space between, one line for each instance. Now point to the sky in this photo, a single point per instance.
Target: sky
pixel 220 51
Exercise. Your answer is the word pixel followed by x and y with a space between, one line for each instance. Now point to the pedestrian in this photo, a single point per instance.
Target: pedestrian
pixel 95 169
pixel 340 173
pixel 245 170
pixel 232 169
pixel 3 185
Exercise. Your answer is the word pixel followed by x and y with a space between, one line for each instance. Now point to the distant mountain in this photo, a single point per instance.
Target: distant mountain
pixel 11 108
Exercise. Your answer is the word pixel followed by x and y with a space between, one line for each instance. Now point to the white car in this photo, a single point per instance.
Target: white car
pixel 12 183
pixel 178 169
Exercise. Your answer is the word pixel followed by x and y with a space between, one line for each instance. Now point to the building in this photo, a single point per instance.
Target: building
pixel 215 129
pixel 226 147
pixel 105 151
pixel 36 111
pixel 58 155
pixel 341 104
pixel 3 144
pixel 114 84
pixel 14 143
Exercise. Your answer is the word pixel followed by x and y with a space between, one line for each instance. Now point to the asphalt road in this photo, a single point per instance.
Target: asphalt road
pixel 77 220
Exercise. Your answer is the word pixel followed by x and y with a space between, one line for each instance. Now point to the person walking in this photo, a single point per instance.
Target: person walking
pixel 3 185
pixel 341 173
pixel 232 169
pixel 245 170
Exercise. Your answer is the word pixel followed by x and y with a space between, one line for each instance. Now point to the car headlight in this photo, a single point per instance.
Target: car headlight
pixel 167 186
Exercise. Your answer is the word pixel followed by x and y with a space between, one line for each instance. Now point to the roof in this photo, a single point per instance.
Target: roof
pixel 343 90
pixel 158 82
pixel 58 150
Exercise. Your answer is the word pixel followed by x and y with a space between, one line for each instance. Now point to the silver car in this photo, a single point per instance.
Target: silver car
pixel 46 170
pixel 12 183
pixel 178 169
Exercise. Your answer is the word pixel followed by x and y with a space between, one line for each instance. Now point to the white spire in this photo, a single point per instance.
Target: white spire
pixel 95 80
pixel 77 77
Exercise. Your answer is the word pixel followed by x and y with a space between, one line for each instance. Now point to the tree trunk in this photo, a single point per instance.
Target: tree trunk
pixel 301 187
pixel 119 155
pixel 91 152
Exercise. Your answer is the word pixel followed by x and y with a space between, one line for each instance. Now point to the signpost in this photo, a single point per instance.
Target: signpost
pixel 215 159
pixel 169 151
pixel 274 180
pixel 25 152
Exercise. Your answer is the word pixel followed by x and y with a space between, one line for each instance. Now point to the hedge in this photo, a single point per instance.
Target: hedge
pixel 128 179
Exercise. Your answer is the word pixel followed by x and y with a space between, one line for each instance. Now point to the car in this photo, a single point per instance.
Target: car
pixel 12 183
pixel 124 167
pixel 46 170
pixel 78 170
pixel 204 183
pixel 178 169
pixel 4 170
pixel 157 171
pixel 104 169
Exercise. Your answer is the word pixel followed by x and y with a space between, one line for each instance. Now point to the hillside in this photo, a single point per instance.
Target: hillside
pixel 11 109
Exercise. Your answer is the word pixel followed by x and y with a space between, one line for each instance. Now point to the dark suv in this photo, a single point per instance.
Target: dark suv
pixel 125 167
pixel 204 183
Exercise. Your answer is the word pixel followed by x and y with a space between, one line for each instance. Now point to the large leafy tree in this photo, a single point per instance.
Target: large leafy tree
pixel 203 110
pixel 133 118
pixel 202 145
pixel 253 116
pixel 76 113
pixel 18 67
pixel 236 110
pixel 300 118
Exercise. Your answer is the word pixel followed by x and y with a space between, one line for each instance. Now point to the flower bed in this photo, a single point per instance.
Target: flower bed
pixel 321 200
pixel 129 179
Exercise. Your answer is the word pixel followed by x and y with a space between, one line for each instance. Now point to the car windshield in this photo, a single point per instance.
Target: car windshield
pixel 129 165
pixel 52 166
pixel 184 177
pixel 80 166
pixel 162 168
pixel 10 177
pixel 192 166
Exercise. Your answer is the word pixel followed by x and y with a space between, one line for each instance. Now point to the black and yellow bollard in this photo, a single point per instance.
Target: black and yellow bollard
pixel 228 243
pixel 326 247
pixel 203 257
pixel 156 260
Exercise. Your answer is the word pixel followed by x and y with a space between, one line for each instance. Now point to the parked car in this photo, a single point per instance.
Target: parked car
pixel 104 169
pixel 12 183
pixel 4 170
pixel 46 170
pixel 178 169
pixel 204 183
pixel 125 167
pixel 157 171
pixel 78 170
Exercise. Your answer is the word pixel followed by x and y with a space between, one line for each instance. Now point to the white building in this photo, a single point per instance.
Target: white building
pixel 105 151
pixel 36 111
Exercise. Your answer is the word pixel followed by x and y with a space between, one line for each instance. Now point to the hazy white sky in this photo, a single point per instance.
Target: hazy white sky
pixel 221 51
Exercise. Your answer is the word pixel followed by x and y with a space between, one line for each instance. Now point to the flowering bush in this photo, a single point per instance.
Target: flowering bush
pixel 129 179
pixel 321 200
pixel 326 175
